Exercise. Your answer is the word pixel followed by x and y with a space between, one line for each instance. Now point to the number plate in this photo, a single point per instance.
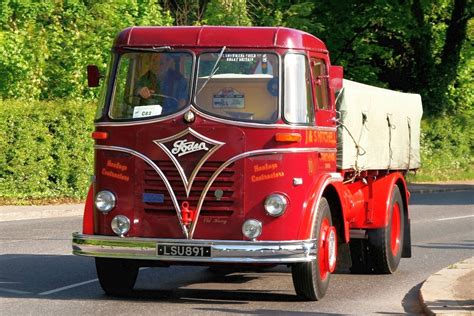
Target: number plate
pixel 183 251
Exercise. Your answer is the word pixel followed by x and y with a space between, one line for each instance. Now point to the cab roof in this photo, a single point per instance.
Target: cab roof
pixel 218 36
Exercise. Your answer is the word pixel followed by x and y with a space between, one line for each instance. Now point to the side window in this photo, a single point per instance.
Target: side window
pixel 298 97
pixel 320 83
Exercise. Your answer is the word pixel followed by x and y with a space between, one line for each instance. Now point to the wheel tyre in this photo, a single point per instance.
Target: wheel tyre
pixel 386 244
pixel 116 276
pixel 381 253
pixel 360 257
pixel 311 279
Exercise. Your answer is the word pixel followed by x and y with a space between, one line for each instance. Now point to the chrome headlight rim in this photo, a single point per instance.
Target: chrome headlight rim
pixel 120 225
pixel 105 201
pixel 255 228
pixel 269 204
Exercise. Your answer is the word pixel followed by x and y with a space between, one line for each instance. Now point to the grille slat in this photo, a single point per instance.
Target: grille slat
pixel 211 207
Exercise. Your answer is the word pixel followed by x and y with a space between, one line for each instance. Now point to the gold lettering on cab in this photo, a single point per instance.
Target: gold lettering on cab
pixel 268 172
pixel 116 172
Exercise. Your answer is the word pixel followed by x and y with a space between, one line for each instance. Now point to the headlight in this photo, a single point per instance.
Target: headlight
pixel 105 201
pixel 252 228
pixel 120 225
pixel 275 204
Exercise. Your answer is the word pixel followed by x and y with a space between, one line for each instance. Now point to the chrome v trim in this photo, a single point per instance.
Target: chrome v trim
pixel 188 183
pixel 245 155
pixel 160 173
pixel 189 233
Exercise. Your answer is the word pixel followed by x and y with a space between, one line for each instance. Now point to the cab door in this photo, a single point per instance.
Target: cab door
pixel 326 133
pixel 325 113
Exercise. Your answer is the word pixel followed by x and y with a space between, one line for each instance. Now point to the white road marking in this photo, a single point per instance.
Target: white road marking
pixel 68 287
pixel 450 218
pixel 14 291
pixel 440 219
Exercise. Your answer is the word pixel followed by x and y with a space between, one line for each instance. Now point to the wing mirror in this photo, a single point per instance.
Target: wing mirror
pixel 336 74
pixel 93 76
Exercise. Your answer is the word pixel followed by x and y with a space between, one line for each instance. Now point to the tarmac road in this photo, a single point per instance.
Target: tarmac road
pixel 39 276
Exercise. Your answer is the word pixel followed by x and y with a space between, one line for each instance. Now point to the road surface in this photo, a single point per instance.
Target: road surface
pixel 39 276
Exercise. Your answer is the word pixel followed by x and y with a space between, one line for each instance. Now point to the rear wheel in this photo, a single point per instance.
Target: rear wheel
pixel 116 276
pixel 382 251
pixel 311 279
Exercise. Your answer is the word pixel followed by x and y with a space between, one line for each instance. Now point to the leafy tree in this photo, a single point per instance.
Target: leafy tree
pixel 227 12
pixel 46 45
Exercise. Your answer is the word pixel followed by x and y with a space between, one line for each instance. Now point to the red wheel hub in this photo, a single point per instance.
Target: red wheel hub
pixel 327 249
pixel 395 230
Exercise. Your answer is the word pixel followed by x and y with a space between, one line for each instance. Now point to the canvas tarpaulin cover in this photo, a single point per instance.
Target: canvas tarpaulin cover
pixel 380 128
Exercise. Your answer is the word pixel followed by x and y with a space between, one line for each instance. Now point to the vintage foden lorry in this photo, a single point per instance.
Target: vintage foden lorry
pixel 244 146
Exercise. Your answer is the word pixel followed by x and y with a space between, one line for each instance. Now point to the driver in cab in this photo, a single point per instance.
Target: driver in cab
pixel 163 84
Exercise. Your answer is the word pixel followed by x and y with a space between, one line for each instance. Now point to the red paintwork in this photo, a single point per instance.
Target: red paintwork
pixel 218 36
pixel 372 201
pixel 244 184
pixel 88 219
pixel 395 230
pixel 323 251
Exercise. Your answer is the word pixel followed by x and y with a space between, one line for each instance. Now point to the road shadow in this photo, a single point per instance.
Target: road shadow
pixel 67 277
pixel 411 301
pixel 443 198
pixel 262 312
pixel 467 244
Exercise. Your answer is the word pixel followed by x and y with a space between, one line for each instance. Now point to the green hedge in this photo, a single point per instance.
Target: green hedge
pixel 45 149
pixel 447 145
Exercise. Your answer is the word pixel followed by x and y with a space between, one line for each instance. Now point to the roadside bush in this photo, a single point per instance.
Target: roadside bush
pixel 447 149
pixel 45 149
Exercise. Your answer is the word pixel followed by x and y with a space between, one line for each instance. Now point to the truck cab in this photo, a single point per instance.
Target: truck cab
pixel 218 145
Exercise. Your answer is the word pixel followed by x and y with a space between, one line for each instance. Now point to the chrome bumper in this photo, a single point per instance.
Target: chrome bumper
pixel 222 251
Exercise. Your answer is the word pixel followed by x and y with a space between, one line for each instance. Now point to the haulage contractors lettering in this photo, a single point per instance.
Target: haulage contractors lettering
pixel 183 147
pixel 271 172
pixel 117 172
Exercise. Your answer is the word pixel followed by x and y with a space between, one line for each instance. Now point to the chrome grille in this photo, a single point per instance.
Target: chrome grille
pixel 226 182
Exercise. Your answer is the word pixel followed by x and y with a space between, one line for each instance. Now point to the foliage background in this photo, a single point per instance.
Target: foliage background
pixel 418 46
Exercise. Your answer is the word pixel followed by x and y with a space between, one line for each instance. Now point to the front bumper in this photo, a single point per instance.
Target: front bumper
pixel 222 251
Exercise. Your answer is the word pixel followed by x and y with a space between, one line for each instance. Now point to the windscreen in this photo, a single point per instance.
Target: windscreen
pixel 151 84
pixel 239 85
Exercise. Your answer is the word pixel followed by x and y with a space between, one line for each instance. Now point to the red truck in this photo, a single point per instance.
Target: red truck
pixel 244 146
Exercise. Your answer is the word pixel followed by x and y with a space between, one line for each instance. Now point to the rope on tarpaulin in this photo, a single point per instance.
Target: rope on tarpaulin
pixel 409 143
pixel 360 151
pixel 390 151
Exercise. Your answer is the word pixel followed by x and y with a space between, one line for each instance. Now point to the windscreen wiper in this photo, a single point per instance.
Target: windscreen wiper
pixel 214 69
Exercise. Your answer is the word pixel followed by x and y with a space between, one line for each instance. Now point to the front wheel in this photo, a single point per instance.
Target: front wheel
pixel 311 279
pixel 116 276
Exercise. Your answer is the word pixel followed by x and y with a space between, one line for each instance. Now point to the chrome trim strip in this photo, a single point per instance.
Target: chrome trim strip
pixel 142 122
pixel 259 152
pixel 218 120
pixel 223 251
pixel 160 173
pixel 188 182
pixel 189 233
